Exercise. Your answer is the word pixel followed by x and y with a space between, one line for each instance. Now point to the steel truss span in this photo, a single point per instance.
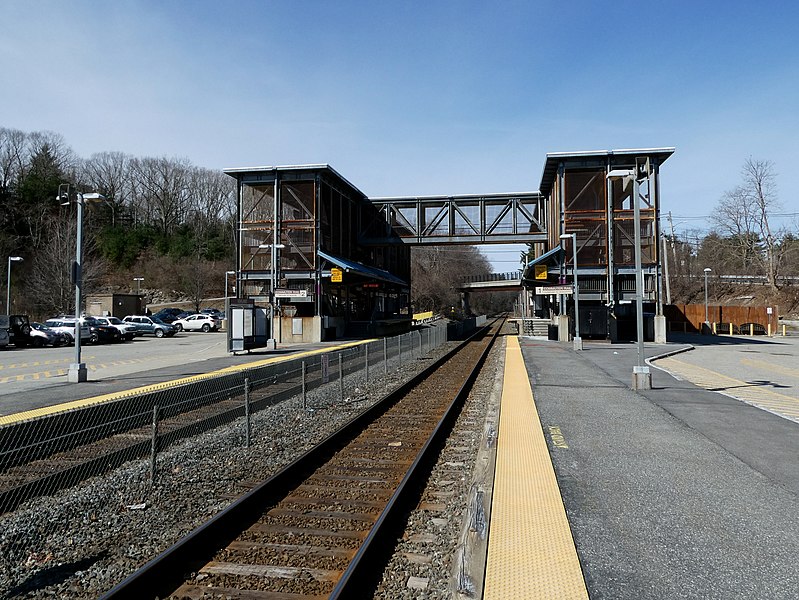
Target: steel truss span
pixel 472 219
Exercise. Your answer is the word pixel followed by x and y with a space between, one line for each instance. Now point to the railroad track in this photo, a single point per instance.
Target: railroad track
pixel 322 526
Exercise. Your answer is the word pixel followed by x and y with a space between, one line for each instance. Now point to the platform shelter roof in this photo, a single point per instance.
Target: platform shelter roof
pixel 361 269
pixel 588 156
pixel 248 174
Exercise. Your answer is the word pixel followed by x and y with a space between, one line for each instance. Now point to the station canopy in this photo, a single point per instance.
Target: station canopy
pixel 360 269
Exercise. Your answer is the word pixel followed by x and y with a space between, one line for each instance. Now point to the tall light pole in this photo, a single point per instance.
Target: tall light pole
pixel 8 288
pixel 578 341
pixel 227 298
pixel 707 320
pixel 274 247
pixel 642 378
pixel 227 274
pixel 77 372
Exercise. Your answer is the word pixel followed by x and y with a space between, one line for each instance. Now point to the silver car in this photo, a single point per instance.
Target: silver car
pixel 66 325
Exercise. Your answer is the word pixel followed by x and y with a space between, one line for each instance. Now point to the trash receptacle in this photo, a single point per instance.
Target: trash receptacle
pixel 552 332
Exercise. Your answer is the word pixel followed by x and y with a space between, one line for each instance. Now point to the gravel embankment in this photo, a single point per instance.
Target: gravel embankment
pixel 83 541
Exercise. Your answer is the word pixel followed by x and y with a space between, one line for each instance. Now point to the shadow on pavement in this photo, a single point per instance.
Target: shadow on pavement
pixel 720 340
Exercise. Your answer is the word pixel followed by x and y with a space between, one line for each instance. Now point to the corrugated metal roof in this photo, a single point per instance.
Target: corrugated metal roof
pixel 555 158
pixel 236 171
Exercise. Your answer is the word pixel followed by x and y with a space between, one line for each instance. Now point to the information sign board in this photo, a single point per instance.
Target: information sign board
pixel 554 289
pixel 286 293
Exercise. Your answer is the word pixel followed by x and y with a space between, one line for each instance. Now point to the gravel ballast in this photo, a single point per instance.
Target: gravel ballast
pixel 83 541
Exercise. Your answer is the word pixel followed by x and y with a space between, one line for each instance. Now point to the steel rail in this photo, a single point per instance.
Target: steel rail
pixel 166 572
pixel 362 574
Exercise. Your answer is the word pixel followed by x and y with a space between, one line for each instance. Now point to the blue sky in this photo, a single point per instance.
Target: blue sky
pixel 414 98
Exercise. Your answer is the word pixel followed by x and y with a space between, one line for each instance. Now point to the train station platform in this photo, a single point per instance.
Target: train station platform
pixel 604 492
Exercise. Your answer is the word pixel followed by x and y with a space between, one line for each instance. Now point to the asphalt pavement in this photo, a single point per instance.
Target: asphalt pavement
pixel 18 396
pixel 674 492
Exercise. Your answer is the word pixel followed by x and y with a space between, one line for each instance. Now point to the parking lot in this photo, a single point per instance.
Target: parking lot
pixel 30 368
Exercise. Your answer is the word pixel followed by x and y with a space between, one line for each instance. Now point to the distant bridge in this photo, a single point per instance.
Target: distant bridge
pixel 494 282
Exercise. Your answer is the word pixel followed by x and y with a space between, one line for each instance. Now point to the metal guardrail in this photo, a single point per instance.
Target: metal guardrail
pixel 71 446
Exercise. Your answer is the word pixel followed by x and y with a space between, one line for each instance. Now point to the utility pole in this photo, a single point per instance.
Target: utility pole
pixel 673 246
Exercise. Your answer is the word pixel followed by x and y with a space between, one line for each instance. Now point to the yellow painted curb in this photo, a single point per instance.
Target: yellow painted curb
pixel 57 408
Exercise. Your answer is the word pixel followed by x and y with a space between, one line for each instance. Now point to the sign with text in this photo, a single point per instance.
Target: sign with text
pixel 336 275
pixel 284 293
pixel 554 289
pixel 540 271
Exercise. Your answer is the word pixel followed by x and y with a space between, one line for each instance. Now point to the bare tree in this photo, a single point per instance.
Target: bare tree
pixel 437 271
pixel 161 190
pixel 109 173
pixel 211 193
pixel 743 215
pixel 12 157
pixel 48 286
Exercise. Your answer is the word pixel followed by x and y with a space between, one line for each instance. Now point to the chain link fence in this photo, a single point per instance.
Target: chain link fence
pixel 41 456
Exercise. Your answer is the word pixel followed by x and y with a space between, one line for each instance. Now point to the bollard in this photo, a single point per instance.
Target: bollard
pixel 154 445
pixel 783 330
pixel 769 330
pixel 385 358
pixel 247 412
pixel 730 328
pixel 304 395
pixel 714 329
pixel 751 329
pixel 340 377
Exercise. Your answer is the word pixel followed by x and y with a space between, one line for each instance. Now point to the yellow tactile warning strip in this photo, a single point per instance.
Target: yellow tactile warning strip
pixel 531 552
pixel 57 408
pixel 751 393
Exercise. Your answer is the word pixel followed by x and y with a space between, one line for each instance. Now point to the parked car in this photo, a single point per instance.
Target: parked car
pixel 184 314
pixel 4 331
pixel 42 335
pixel 198 322
pixel 101 332
pixel 217 314
pixel 66 325
pixel 214 312
pixel 168 315
pixel 150 325
pixel 19 330
pixel 127 330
